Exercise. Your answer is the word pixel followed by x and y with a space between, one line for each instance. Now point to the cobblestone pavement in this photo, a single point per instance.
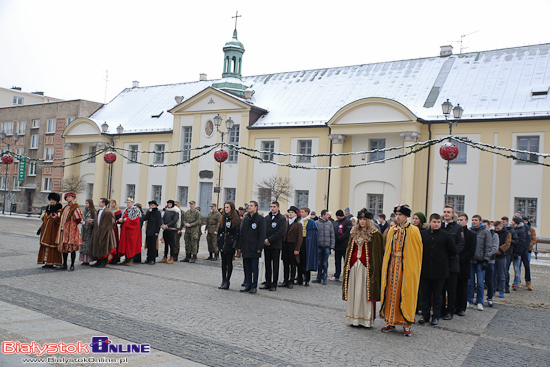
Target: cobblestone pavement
pixel 179 311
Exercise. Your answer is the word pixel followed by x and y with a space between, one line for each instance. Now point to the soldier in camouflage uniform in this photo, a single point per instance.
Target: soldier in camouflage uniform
pixel 192 221
pixel 212 224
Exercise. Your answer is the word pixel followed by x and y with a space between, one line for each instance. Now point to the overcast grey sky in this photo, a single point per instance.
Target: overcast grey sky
pixel 64 47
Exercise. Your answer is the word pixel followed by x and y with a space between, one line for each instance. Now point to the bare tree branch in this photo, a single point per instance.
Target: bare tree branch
pixel 73 183
pixel 274 188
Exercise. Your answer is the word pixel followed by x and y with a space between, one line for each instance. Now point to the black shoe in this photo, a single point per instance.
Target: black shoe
pixel 272 289
pixel 71 268
pixel 507 290
pixel 175 258
pixel 283 284
pixel 461 313
pixel 324 282
pixel 95 265
pixel 264 283
pixel 316 281
pixel 221 286
pixel 306 284
pixel 193 259
pixel 242 285
pixel 102 263
pixel 62 267
pixel 209 257
pixel 435 321
pixel 290 286
pixel 246 289
pixel 152 262
pixel 423 320
pixel 299 282
pixel 226 285
pixel 253 290
pixel 215 258
pixel 265 287
pixel 448 316
pixel 186 260
pixel 47 266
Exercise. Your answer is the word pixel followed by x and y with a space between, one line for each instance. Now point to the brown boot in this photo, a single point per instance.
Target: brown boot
pixel 163 260
pixel 529 286
pixel 129 262
pixel 171 261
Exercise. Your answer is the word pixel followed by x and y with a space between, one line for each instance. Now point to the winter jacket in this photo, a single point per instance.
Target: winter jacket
pixel 252 237
pixel 293 235
pixel 467 253
pixel 342 230
pixel 495 247
pixel 274 229
pixel 533 239
pixel 484 245
pixel 154 221
pixel 515 239
pixel 438 248
pixel 457 233
pixel 523 242
pixel 325 233
pixel 171 218
pixel 228 235
pixel 504 242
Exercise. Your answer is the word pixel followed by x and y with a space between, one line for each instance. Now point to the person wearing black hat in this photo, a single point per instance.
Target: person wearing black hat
pixel 292 242
pixel 48 253
pixel 342 228
pixel 401 272
pixel 154 221
pixel 362 271
pixel 169 223
pixel 69 238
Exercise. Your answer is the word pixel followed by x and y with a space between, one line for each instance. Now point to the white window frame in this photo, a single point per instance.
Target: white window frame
pixel 35 124
pixel 457 201
pixel 3 182
pixel 298 198
pixel 532 157
pixel 159 155
pixel 230 194
pixel 21 127
pixel 156 193
pixel 133 154
pixel 49 154
pixel 16 184
pixel 233 138
pixel 462 157
pixel 187 137
pixel 131 191
pixel 524 210
pixel 304 147
pixel 183 195
pixel 7 128
pixel 35 140
pixel 375 203
pixel 377 144
pixel 264 198
pixel 51 126
pixel 268 147
pixel 91 152
pixel 17 100
pixel 18 151
pixel 46 184
pixel 90 190
pixel 32 168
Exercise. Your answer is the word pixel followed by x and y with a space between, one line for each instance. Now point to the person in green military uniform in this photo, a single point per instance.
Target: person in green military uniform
pixel 212 223
pixel 192 221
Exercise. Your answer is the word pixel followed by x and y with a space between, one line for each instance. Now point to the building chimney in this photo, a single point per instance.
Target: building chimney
pixel 135 84
pixel 202 77
pixel 446 51
pixel 16 88
pixel 178 99
pixel 248 93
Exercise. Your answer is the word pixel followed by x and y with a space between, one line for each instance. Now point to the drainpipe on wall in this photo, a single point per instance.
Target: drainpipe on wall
pixel 330 165
pixel 428 175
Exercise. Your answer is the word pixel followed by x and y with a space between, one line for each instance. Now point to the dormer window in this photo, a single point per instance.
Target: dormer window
pixel 540 91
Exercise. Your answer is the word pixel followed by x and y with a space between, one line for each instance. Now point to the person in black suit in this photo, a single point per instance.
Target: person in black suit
pixel 251 244
pixel 275 224
pixel 154 221
pixel 464 257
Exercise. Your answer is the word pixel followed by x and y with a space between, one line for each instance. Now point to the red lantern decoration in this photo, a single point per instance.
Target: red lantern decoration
pixel 7 159
pixel 110 157
pixel 448 151
pixel 221 155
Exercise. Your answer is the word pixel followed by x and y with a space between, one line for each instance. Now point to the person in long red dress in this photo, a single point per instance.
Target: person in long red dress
pixel 68 237
pixel 130 233
pixel 48 254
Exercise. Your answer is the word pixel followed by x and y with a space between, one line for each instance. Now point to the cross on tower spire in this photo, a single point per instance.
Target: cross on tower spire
pixel 236 18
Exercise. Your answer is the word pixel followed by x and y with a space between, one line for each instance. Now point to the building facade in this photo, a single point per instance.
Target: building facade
pixel 16 97
pixel 39 128
pixel 316 114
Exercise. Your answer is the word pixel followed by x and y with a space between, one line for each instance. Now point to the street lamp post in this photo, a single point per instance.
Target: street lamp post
pixel 6 184
pixel 457 114
pixel 104 131
pixel 228 125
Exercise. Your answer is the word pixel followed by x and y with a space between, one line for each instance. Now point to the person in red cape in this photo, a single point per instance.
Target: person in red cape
pixel 130 233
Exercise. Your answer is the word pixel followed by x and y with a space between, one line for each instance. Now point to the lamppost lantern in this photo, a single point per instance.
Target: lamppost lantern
pixel 119 129
pixel 104 127
pixel 2 135
pixel 457 111
pixel 446 107
pixel 218 121
pixel 229 124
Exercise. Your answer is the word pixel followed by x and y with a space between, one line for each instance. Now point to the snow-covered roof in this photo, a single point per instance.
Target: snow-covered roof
pixel 488 84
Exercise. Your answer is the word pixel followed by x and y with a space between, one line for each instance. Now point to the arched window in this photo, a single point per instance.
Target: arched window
pixel 234 64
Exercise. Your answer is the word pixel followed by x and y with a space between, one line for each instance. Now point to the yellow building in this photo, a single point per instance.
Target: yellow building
pixel 504 94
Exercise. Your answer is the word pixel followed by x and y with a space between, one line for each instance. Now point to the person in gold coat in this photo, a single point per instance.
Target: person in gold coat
pixel 401 272
pixel 362 271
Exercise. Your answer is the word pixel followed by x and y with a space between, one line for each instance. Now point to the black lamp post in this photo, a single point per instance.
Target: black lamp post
pixel 104 130
pixel 457 114
pixel 6 184
pixel 228 125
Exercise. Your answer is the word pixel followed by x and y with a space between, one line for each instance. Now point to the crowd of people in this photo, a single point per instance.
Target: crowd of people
pixel 436 266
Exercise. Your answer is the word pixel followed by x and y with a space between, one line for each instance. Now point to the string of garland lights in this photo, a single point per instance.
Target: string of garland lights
pixel 253 154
